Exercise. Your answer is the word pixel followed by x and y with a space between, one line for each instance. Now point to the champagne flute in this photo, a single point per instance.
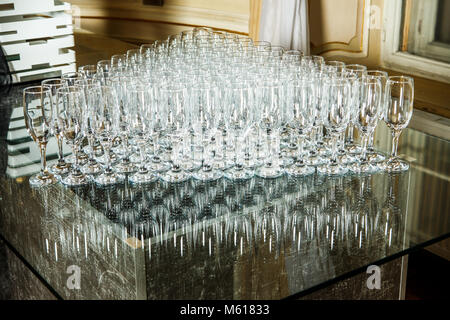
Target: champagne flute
pixel 300 100
pixel 399 99
pixel 70 109
pixel 337 116
pixel 61 167
pixel 373 155
pixel 104 119
pixel 141 110
pixel 38 113
pixel 368 116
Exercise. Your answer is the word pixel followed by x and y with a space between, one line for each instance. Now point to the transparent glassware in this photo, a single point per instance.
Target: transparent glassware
pixel 300 98
pixel 70 108
pixel 337 115
pixel 38 113
pixel 92 98
pixel 88 71
pixel 319 151
pixel 240 100
pixel 61 167
pixel 359 71
pixel 368 117
pixel 70 78
pixel 173 101
pixel 104 119
pixel 201 106
pixel 374 156
pixel 122 85
pixel 399 99
pixel 141 108
pixel 269 95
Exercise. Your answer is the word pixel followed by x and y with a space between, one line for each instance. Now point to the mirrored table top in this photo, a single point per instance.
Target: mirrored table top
pixel 259 239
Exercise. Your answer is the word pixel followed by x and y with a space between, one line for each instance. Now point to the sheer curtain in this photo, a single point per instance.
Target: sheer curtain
pixel 285 23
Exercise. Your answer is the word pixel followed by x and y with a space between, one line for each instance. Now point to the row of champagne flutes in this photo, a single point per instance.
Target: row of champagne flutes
pixel 207 104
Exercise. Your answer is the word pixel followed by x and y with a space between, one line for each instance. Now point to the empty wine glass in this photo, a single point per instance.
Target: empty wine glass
pixel 300 100
pixel 70 108
pixel 61 167
pixel 38 113
pixel 240 99
pixel 91 92
pixel 359 71
pixel 104 120
pixel 369 114
pixel 338 93
pixel 374 156
pixel 203 120
pixel 269 95
pixel 173 101
pixel 141 116
pixel 399 99
pixel 122 85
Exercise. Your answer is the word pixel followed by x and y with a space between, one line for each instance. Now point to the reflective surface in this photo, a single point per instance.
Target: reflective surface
pixel 259 238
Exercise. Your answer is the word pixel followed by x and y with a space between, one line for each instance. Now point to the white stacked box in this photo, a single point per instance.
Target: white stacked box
pixel 36 37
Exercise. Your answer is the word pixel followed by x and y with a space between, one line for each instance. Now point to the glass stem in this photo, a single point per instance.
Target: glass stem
pixel 350 134
pixel 108 160
pixel 300 146
pixel 365 139
pixel 370 143
pixel 334 149
pixel 60 149
pixel 75 154
pixel 395 138
pixel 126 147
pixel 91 144
pixel 142 154
pixel 43 148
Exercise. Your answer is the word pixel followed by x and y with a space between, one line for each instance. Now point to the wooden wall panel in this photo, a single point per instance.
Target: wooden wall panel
pixel 131 19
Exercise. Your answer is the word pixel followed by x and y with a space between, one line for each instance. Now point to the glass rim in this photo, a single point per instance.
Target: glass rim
pixel 400 79
pixel 36 89
pixel 48 82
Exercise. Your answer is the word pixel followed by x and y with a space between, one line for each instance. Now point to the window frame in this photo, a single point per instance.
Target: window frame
pixel 403 61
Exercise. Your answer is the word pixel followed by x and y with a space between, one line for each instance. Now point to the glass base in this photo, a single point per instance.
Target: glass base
pixel 91 167
pixel 222 164
pixel 332 170
pixel 375 157
pixel 125 167
pixel 41 180
pixel 363 167
pixel 286 162
pixel 252 163
pixel 75 180
pixel 109 178
pixel 316 161
pixel 158 166
pixel 239 173
pixel 135 158
pixel 323 151
pixel 269 171
pixel 396 165
pixel 60 168
pixel 300 170
pixel 346 158
pixel 208 174
pixel 102 159
pixel 190 165
pixel 353 148
pixel 82 158
pixel 175 176
pixel 143 177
